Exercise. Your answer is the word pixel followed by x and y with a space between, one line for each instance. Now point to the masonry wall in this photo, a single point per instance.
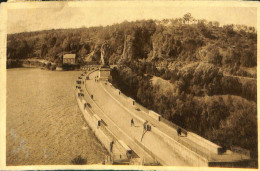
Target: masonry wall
pixel 101 132
pixel 104 73
pixel 186 154
pixel 106 137
pixel 93 125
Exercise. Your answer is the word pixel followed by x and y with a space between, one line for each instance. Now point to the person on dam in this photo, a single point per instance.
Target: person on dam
pixel 111 146
pixel 179 131
pixel 132 122
pixel 145 124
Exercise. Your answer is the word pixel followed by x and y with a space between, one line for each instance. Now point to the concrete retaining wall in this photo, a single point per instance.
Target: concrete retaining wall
pixel 104 135
pixel 154 115
pixel 196 138
pixel 204 143
pixel 124 96
pixel 132 101
pixel 117 91
pixel 104 73
pixel 186 154
pixel 98 133
pixel 123 144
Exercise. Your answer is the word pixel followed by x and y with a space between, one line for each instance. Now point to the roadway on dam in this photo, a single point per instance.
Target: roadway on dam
pixel 111 110
pixel 117 112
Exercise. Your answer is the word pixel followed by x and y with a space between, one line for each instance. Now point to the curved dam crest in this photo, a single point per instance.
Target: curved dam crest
pixel 141 136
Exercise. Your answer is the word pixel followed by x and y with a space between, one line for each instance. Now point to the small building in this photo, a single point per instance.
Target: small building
pixel 104 73
pixel 69 59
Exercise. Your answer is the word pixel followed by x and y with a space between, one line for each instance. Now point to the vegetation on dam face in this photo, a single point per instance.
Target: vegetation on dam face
pixel 211 70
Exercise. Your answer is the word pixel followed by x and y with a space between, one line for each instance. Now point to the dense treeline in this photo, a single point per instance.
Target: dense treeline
pixel 232 47
pixel 205 72
pixel 199 79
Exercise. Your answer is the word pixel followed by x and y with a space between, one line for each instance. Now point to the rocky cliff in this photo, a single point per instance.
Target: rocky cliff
pixel 128 52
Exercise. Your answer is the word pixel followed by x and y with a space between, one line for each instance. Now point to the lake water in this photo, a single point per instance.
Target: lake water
pixel 44 123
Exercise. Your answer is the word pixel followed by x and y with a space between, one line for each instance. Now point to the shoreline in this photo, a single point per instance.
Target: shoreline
pixel 38 67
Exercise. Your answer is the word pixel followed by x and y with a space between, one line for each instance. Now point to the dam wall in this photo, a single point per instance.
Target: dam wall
pixel 151 138
pixel 89 117
pixel 210 146
pixel 183 152
pixel 104 135
pixel 187 154
pixel 99 127
pixel 214 148
pixel 154 115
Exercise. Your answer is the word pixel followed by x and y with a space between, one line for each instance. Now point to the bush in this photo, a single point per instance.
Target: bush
pixel 53 67
pixel 231 85
pixel 79 161
pixel 48 66
pixel 13 63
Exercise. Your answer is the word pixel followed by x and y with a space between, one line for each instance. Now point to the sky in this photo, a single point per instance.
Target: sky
pixel 91 14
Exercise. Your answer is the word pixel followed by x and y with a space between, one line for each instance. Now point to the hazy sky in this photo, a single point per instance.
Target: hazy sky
pixel 90 14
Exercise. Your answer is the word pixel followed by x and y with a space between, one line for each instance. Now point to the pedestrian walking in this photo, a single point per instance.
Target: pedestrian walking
pixel 91 96
pixel 111 146
pixel 179 131
pixel 132 122
pixel 145 123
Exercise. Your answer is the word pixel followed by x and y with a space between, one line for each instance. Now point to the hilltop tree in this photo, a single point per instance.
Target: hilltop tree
pixel 187 17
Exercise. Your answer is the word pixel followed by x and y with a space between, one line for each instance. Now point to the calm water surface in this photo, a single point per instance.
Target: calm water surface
pixel 44 123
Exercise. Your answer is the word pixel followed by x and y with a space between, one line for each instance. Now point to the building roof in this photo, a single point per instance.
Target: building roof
pixel 69 56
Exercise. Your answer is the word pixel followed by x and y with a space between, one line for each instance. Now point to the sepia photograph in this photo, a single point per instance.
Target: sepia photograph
pixel 129 84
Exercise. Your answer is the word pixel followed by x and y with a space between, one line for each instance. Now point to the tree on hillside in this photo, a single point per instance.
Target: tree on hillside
pixel 187 17
pixel 248 58
pixel 44 50
pixel 216 24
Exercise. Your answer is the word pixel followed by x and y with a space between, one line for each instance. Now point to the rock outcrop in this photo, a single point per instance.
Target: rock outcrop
pixel 105 54
pixel 94 56
pixel 128 51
